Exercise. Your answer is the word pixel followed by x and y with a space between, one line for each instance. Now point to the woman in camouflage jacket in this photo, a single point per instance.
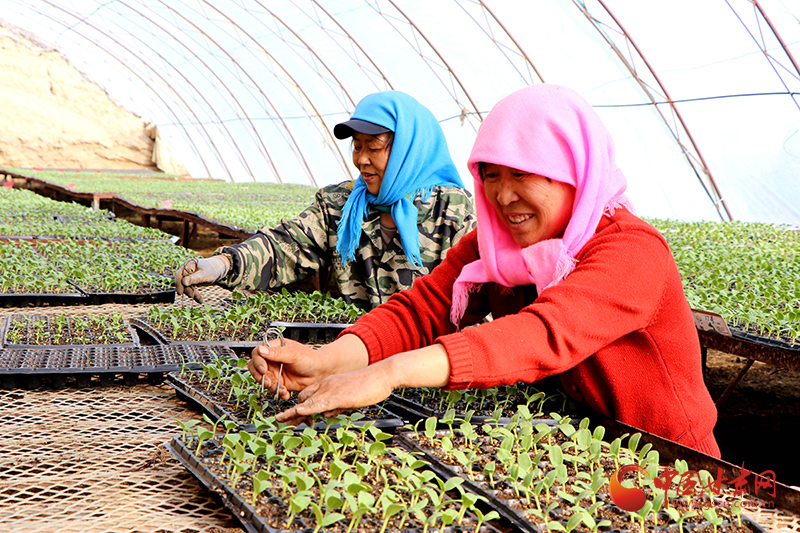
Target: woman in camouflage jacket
pixel 378 233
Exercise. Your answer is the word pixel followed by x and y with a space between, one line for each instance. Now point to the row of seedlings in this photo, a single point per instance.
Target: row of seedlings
pixel 24 213
pixel 345 477
pixel 102 271
pixel 238 325
pixel 249 206
pixel 749 273
pixel 559 475
pixel 531 473
pixel 245 321
pixel 495 404
pixel 26 272
pixel 20 331
pixel 300 307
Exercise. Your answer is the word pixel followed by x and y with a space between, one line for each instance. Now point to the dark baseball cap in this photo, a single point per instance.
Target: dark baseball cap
pixel 354 125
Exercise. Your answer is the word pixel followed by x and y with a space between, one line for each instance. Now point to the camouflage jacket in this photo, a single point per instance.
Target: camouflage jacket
pixel 297 248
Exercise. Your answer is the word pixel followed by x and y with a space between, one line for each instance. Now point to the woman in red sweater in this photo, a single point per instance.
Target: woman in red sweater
pixel 576 284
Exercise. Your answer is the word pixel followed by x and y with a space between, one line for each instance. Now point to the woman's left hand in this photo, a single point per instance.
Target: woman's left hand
pixel 340 392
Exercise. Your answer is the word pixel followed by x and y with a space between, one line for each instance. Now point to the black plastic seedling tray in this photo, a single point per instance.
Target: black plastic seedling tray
pixel 205 403
pixel 516 519
pixel 146 328
pixel 6 323
pixel 42 300
pixel 780 496
pixel 309 332
pixel 306 332
pixel 128 298
pixel 415 411
pixel 243 511
pixel 764 349
pixel 247 515
pixel 105 359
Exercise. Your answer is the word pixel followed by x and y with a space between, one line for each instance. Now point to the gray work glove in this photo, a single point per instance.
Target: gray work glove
pixel 196 272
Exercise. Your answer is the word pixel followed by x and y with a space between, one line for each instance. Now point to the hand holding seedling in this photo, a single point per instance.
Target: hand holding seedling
pixel 198 271
pixel 274 339
pixel 368 385
pixel 340 392
pixel 303 365
pixel 283 369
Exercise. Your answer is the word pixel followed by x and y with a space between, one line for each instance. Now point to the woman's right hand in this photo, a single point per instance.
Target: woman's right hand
pixel 303 365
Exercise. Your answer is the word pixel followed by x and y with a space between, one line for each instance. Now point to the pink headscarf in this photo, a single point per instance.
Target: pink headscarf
pixel 553 132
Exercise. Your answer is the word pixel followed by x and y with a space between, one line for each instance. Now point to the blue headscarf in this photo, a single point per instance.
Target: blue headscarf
pixel 419 160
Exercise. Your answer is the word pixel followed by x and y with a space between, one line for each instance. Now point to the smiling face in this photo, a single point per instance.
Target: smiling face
pixel 370 156
pixel 532 207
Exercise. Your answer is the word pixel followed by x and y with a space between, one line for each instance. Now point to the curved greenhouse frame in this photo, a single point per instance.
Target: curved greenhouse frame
pixel 702 98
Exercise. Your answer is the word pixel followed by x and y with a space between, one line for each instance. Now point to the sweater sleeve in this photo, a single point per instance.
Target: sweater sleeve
pixel 615 289
pixel 416 317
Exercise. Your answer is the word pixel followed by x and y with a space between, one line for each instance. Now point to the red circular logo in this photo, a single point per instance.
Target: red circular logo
pixel 629 499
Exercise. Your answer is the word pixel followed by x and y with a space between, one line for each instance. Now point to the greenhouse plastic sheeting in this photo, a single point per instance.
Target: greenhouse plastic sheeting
pixel 701 97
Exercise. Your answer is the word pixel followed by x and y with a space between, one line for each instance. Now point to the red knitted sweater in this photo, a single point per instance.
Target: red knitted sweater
pixel 618 331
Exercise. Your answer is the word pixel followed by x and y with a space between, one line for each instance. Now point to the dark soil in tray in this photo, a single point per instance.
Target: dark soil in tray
pixel 483 403
pixel 225 333
pixel 499 402
pixel 63 330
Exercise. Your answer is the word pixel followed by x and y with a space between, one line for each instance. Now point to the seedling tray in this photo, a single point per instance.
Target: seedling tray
pixel 422 403
pixel 42 300
pixel 785 497
pixel 246 515
pixel 516 519
pixel 764 349
pixel 415 411
pixel 127 298
pixel 7 322
pixel 255 523
pixel 104 359
pixel 310 332
pixel 386 419
pixel 505 506
pixel 146 327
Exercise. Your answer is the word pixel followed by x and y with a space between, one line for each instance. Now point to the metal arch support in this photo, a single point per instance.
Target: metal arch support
pixel 311 50
pixel 762 45
pixel 210 107
pixel 255 83
pixel 719 200
pixel 777 36
pixel 316 114
pixel 444 61
pixel 136 74
pixel 513 40
pixel 327 130
pixel 352 40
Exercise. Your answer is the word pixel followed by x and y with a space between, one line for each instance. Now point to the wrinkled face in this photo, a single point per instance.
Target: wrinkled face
pixel 370 156
pixel 532 207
